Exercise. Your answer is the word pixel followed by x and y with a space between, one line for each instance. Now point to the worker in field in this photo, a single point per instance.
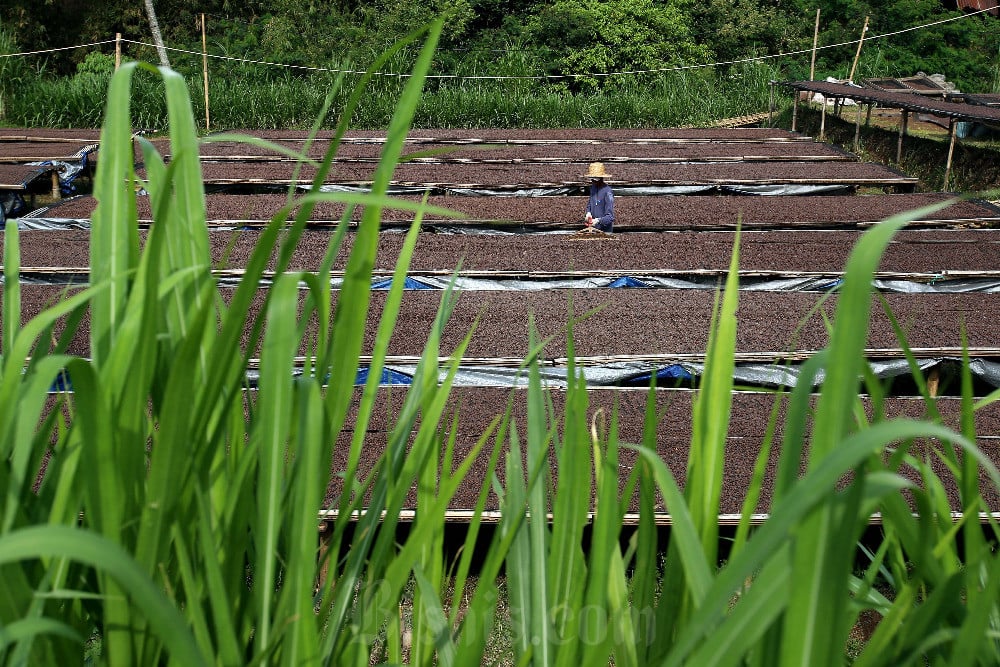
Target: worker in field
pixel 601 206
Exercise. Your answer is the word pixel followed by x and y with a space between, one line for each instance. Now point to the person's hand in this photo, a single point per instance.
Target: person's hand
pixel 590 218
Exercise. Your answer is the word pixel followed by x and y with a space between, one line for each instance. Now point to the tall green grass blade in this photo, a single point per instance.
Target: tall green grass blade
pixel 604 546
pixel 27 451
pixel 712 407
pixel 570 511
pixel 310 482
pixel 821 558
pixel 438 631
pixel 537 535
pixel 756 486
pixel 114 243
pixel 758 608
pixel 646 572
pixel 518 561
pixel 357 273
pixel 29 628
pixel 220 599
pixel 98 552
pixel 275 409
pixel 11 286
pixel 814 489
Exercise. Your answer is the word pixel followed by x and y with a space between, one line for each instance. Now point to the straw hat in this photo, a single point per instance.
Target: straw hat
pixel 597 171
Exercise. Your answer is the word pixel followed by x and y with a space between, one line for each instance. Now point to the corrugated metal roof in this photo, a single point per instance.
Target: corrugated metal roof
pixel 977 5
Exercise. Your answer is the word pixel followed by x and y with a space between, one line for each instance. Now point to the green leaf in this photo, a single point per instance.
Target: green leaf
pixel 107 557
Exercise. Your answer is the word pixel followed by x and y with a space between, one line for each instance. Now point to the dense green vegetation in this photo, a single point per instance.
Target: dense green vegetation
pixel 580 62
pixel 176 520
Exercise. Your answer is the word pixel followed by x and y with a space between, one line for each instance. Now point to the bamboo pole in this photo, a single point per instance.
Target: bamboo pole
pixel 204 67
pixel 857 55
pixel 795 110
pixel 812 62
pixel 905 119
pixel 118 50
pixel 951 151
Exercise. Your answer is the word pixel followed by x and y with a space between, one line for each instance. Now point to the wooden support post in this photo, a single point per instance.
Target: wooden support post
pixel 795 110
pixel 854 65
pixel 204 66
pixel 933 382
pixel 822 121
pixel 118 50
pixel 770 104
pixel 56 192
pixel 904 120
pixel 951 151
pixel 857 129
pixel 868 116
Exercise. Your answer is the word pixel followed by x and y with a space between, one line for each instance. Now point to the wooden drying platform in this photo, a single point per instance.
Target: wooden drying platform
pixel 906 102
pixel 20 152
pixel 639 213
pixel 29 179
pixel 921 256
pixel 504 177
pixel 645 324
pixel 46 134
pixel 475 407
pixel 556 135
pixel 510 153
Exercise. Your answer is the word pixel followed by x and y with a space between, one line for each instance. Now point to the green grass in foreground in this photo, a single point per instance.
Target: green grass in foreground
pixel 198 542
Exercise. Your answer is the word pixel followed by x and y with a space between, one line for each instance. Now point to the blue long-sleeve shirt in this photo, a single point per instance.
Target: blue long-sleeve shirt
pixel 602 206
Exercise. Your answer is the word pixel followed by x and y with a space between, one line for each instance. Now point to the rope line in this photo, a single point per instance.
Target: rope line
pixel 61 48
pixel 526 77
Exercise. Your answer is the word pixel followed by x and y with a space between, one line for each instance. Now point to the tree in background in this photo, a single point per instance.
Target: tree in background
pixel 564 37
pixel 738 29
pixel 575 36
pixel 965 51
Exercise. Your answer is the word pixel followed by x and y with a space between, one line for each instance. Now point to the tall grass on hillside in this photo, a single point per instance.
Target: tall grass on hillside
pixel 695 97
pixel 176 520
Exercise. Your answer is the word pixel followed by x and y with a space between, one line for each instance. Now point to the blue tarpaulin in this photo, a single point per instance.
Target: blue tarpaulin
pixel 410 283
pixel 389 376
pixel 627 281
pixel 671 372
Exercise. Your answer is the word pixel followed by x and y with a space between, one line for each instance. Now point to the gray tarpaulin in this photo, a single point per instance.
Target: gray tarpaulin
pixel 68 171
pixel 636 374
pixel 623 281
pixel 626 373
pixel 620 189
pixel 946 286
pixel 52 224
pixel 786 189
